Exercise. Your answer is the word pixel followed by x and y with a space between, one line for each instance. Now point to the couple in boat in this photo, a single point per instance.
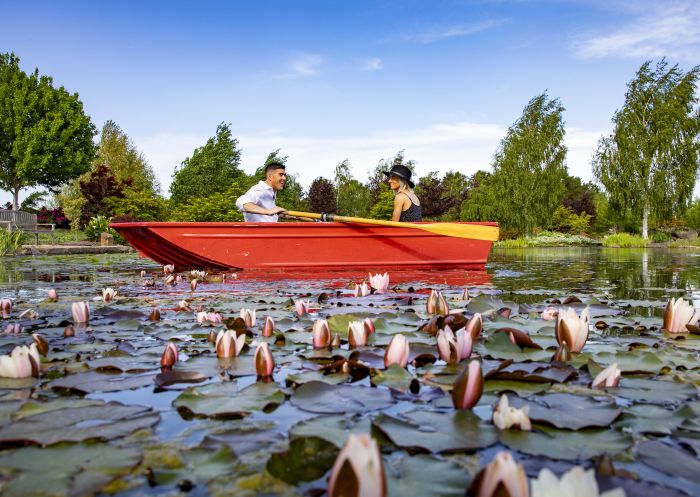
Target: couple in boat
pixel 258 203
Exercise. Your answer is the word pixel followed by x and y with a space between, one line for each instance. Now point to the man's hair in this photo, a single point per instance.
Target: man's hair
pixel 273 166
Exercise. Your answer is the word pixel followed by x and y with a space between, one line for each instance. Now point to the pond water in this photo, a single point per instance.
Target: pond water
pixel 103 417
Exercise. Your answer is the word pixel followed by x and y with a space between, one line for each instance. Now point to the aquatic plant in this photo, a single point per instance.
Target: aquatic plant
pixel 506 417
pixel 624 240
pixel 11 241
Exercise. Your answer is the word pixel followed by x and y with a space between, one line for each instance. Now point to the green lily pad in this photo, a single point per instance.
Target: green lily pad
pixel 655 391
pixel 244 440
pixel 394 377
pixel 225 400
pixel 651 419
pixel 521 388
pixel 334 429
pixel 91 382
pixel 199 466
pixel 572 412
pixel 323 398
pixel 432 431
pixel 306 459
pixel 425 475
pixel 672 461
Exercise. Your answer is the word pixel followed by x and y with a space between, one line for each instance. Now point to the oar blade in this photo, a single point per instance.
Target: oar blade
pixel 473 231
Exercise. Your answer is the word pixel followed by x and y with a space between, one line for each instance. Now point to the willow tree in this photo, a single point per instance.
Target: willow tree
pixel 353 198
pixel 529 166
pixel 649 163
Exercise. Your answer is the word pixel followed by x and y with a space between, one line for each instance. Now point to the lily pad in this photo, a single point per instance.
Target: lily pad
pixel 425 475
pixel 655 391
pixel 572 412
pixel 334 429
pixel 225 400
pixel 393 377
pixel 306 459
pixel 100 382
pixel 323 398
pixel 672 461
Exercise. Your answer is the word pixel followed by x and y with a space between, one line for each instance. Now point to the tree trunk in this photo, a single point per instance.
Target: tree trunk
pixel 645 222
pixel 15 199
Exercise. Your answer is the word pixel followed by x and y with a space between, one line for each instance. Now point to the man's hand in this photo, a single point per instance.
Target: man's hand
pixel 276 210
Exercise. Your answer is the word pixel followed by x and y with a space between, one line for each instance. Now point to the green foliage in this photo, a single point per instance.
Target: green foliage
pixel 455 186
pixel 547 239
pixel 31 201
pixel 138 205
pixel 649 163
pixel 685 243
pixel 661 236
pixel 322 196
pixel 580 196
pixel 353 196
pixel 513 243
pixel 564 219
pixel 378 178
pixel 45 137
pixel 692 215
pixel 97 226
pixel 212 168
pixel 480 204
pixel 11 241
pixel 218 207
pixel 529 166
pixel 384 208
pixel 292 195
pixel 624 240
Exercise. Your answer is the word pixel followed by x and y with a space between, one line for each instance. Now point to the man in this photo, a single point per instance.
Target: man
pixel 258 203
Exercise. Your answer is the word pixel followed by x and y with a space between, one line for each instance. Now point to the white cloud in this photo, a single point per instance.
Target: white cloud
pixel 303 64
pixel 669 29
pixel 373 64
pixel 441 33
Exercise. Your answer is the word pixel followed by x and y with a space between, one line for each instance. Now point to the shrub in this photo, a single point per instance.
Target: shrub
pixel 11 241
pixel 624 240
pixel 661 236
pixel 512 243
pixel 53 216
pixel 98 225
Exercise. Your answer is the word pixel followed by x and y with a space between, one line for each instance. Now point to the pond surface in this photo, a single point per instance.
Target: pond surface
pixel 103 418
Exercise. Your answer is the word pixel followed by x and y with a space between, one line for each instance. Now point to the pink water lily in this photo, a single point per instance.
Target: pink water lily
pixel 5 308
pixel 380 282
pixel 248 317
pixel 468 386
pixel 108 294
pixel 464 344
pixel 69 331
pixel 608 378
pixel 369 326
pixel 474 326
pixel 229 345
pixel 213 318
pixel 572 328
pixel 81 312
pixel 447 346
pixel 506 416
pixel 53 295
pixel 169 357
pixel 184 305
pixel 321 334
pixel 397 352
pixel 22 362
pixel 574 483
pixel 264 363
pixel 465 294
pixel 193 285
pixel 358 471
pixel 13 329
pixel 437 304
pixel 268 327
pixel 198 275
pixel 168 269
pixel 502 477
pixel 302 307
pixel 678 314
pixel 143 273
pixel 549 314
pixel 357 334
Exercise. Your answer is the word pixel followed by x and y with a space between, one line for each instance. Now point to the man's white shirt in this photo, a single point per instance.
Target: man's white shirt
pixel 262 195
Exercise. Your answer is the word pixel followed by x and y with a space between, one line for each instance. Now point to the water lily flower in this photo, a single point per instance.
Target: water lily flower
pixel 198 275
pixel 169 280
pixel 397 352
pixel 148 283
pixel 575 482
pixel 506 417
pixel 549 314
pixel 380 282
pixel 357 334
pixel 53 295
pixel 228 344
pixel 321 334
pixel 362 290
pixel 155 315
pixel 268 327
pixel 108 294
pixel 475 325
pixel 465 294
pixel 302 307
pixel 178 279
pixel 464 344
pixel 193 285
pixel 358 470
pixel 28 314
pixel 608 378
pixel 572 328
pixel 168 269
pixel 13 329
pixel 169 357
pixel 468 386
pixel 69 331
pixel 248 316
pixel 447 346
pixel 678 314
pixel 22 362
pixel 502 477
pixel 5 308
pixel 184 305
pixel 41 344
pixel 81 312
pixel 213 318
pixel 437 304
pixel 143 273
pixel 335 343
pixel 369 326
pixel 264 363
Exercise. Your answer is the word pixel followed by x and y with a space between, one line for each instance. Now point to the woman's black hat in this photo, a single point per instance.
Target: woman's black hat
pixel 401 172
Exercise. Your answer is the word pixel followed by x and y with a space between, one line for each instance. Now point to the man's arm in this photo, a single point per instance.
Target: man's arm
pixel 256 209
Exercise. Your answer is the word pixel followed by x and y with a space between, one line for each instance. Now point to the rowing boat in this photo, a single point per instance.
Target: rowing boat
pixel 302 246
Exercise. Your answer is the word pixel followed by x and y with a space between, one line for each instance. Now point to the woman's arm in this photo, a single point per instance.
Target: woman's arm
pixel 399 203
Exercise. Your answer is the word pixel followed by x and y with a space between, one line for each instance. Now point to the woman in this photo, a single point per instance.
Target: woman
pixel 406 204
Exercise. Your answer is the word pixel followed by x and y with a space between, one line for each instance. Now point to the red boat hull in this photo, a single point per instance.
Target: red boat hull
pixel 308 246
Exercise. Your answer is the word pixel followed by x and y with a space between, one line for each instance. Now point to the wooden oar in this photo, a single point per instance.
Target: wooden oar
pixel 474 231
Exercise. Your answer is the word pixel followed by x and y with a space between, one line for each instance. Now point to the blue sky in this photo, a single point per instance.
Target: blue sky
pixel 330 80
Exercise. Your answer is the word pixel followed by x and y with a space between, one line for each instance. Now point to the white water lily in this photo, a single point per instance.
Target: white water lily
pixel 228 344
pixel 608 378
pixel 108 294
pixel 572 328
pixel 678 314
pixel 358 334
pixel 506 416
pixel 574 483
pixel 22 362
pixel 358 466
pixel 362 290
pixel 248 316
pixel 380 282
pixel 503 474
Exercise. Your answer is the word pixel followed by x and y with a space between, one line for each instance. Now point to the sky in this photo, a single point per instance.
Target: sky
pixel 326 81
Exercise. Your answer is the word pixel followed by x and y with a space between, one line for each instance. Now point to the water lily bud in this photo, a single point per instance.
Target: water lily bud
pixel 506 417
pixel 357 334
pixel 362 290
pixel 169 280
pixel 608 378
pixel 464 344
pixel 474 326
pixel 211 336
pixel 148 283
pixel 572 328
pixel 13 329
pixel 41 344
pixel 81 312
pixel 108 294
pixel 358 471
pixel 465 294
pixel 562 354
pixel 22 362
pixel 380 282
pixel 248 316
pixel 678 315
pixel 264 363
pixel 5 308
pixel 184 305
pixel 369 326
pixel 169 357
pixel 502 477
pixel 69 331
pixel 468 386
pixel 53 295
pixel 397 352
pixel 143 273
pixel 447 346
pixel 301 307
pixel 320 334
pixel 168 269
pixel 178 279
pixel 193 285
pixel 228 344
pixel 441 307
pixel 155 315
pixel 430 303
pixel 335 343
pixel 268 327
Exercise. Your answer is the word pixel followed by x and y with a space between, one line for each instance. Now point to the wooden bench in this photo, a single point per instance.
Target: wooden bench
pixel 26 222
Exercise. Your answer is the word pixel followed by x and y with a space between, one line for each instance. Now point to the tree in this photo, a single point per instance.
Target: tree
pixel 579 196
pixel 529 166
pixel 322 196
pixel 481 203
pixel 455 187
pixel 353 198
pixel 430 191
pixel 650 161
pixel 212 168
pixel 45 137
pixel 99 189
pixel 384 208
pixel 378 177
